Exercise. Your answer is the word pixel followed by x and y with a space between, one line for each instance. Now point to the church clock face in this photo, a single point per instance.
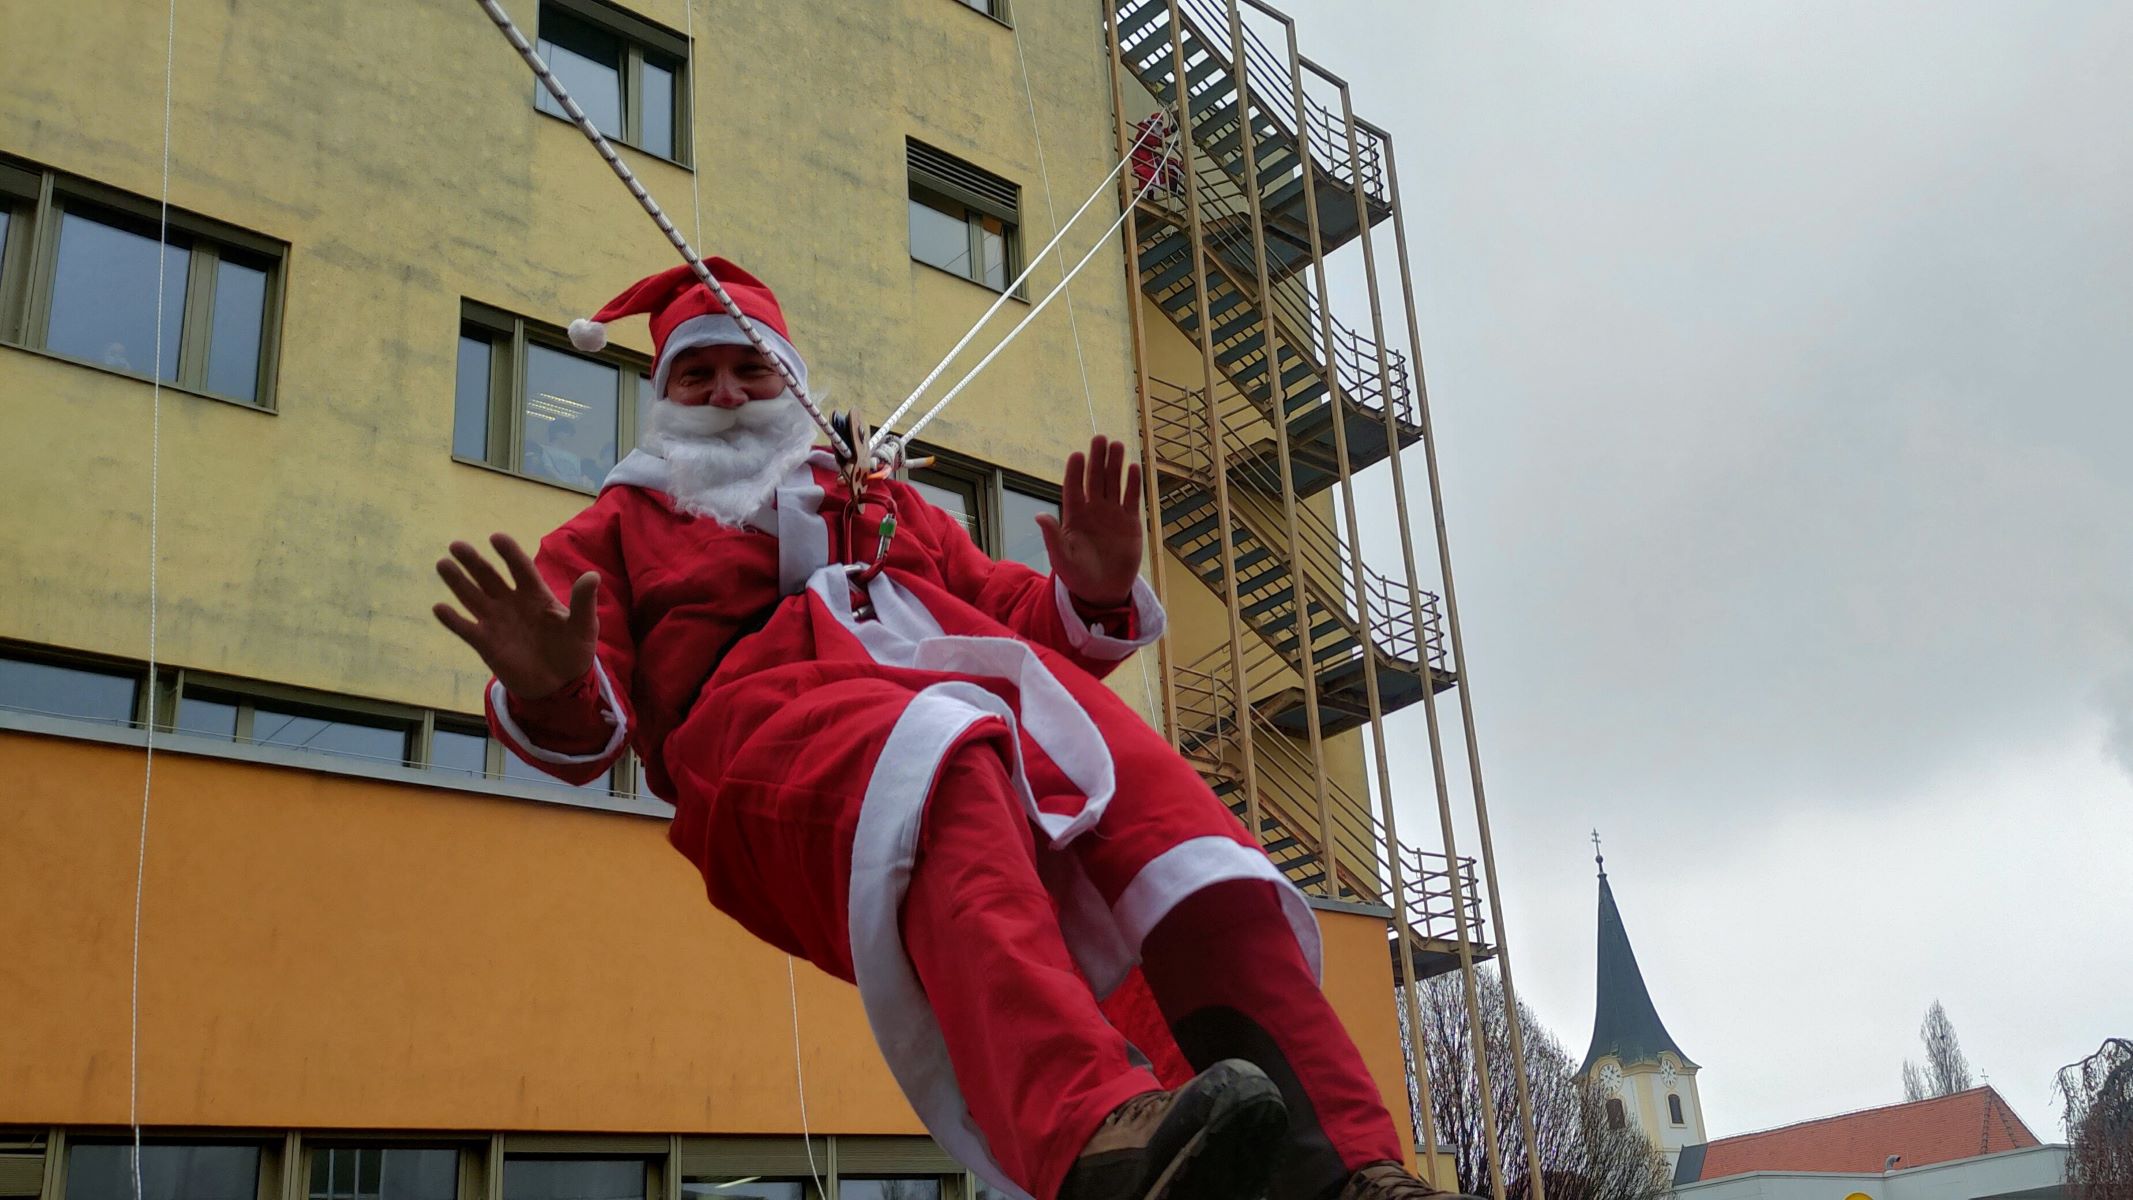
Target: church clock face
pixel 1611 1079
pixel 1666 1076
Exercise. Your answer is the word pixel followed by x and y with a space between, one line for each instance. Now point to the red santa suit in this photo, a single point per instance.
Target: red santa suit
pixel 816 757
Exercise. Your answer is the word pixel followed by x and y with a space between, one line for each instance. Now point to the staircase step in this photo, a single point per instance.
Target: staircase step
pixel 1132 20
pixel 1237 324
pixel 1253 612
pixel 1168 276
pixel 1284 196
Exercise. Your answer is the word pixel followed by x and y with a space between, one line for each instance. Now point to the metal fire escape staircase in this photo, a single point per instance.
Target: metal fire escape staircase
pixel 1294 386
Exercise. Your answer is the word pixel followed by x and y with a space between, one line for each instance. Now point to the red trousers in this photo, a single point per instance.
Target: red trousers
pixel 1038 1063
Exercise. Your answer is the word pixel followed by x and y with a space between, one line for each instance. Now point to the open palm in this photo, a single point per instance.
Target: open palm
pixel 532 642
pixel 1095 542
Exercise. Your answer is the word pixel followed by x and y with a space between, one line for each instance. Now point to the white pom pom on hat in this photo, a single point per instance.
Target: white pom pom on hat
pixel 588 336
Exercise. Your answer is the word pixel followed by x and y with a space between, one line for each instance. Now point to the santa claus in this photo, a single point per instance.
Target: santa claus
pixel 926 789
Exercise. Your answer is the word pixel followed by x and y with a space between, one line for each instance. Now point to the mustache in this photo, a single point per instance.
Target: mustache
pixel 683 422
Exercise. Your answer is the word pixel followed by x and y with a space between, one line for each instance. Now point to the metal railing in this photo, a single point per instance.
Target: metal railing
pixel 1432 889
pixel 1327 562
pixel 1274 92
pixel 1298 320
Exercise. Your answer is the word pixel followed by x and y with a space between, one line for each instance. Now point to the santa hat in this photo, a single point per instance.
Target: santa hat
pixel 685 315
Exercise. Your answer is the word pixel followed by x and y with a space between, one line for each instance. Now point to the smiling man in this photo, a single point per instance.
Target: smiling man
pixel 928 790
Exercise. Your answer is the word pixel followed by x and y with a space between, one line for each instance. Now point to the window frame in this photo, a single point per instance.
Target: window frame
pixel 946 195
pixel 991 482
pixel 1674 1111
pixel 638 37
pixel 1001 11
pixel 509 335
pixel 1617 1113
pixel 29 273
pixel 271 1147
pixel 309 1146
pixel 52 656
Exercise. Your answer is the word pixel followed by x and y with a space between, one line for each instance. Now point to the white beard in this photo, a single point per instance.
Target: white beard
pixel 726 463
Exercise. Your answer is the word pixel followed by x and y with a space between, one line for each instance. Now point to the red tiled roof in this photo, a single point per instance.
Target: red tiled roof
pixel 1964 1125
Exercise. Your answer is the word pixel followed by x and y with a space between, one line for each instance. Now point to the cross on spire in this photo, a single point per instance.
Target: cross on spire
pixel 1598 857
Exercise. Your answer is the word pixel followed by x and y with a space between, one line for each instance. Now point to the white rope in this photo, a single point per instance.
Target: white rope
pixel 792 989
pixel 1088 396
pixel 155 481
pixel 1034 312
pixel 882 433
pixel 659 217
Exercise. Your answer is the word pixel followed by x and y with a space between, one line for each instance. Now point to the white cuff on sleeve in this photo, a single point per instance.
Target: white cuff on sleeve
pixel 610 711
pixel 1089 639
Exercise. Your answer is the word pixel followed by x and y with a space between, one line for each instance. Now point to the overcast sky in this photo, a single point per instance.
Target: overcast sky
pixel 1781 357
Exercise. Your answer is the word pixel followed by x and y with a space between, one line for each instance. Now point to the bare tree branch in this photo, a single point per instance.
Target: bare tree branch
pixel 2098 1093
pixel 1582 1159
pixel 1946 1071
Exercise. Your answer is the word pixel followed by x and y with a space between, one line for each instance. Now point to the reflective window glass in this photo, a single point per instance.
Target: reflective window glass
pixel 588 61
pixel 377 741
pixel 939 238
pixel 992 235
pixel 105 1172
pixel 459 752
pixel 1020 539
pixel 104 296
pixel 956 497
pixel 5 218
pixel 233 342
pixel 574 1179
pixel 751 1188
pixel 62 691
pixel 569 417
pixel 383 1173
pixel 657 118
pixel 887 1189
pixel 470 398
pixel 208 718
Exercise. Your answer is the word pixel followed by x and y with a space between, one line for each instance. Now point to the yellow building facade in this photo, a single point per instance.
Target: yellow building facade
pixel 372 955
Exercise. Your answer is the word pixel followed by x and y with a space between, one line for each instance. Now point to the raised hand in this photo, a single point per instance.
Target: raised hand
pixel 1095 541
pixel 532 642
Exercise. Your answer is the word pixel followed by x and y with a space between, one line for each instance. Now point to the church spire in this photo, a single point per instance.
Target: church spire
pixel 1624 1023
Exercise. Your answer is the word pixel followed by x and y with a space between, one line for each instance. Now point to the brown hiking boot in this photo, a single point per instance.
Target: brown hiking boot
pixel 1389 1180
pixel 1216 1138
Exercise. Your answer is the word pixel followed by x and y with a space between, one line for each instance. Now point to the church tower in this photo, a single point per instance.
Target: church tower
pixel 1646 1079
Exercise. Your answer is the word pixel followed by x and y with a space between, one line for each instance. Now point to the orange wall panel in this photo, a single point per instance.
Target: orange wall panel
pixel 327 952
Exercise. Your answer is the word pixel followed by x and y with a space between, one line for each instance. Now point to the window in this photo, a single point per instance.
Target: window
pixel 68 690
pixel 576 1178
pixel 103 1171
pixel 625 72
pixel 1617 1116
pixel 293 724
pixel 383 1173
pixel 1020 539
pixel 963 219
pixel 999 509
pixel 524 401
pixel 996 9
pixel 1673 1110
pixel 91 296
pixel 747 1188
pixel 898 1188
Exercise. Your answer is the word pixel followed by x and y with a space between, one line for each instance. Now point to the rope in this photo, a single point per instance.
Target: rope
pixel 799 1077
pixel 651 207
pixel 155 481
pixel 1035 311
pixel 1044 174
pixel 883 434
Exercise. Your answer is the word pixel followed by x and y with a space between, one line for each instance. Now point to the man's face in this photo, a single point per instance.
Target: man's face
pixel 722 377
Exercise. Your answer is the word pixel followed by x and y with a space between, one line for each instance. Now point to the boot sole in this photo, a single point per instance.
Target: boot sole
pixel 1233 1156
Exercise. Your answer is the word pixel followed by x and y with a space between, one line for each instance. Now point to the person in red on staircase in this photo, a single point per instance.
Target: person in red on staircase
pixel 1052 921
